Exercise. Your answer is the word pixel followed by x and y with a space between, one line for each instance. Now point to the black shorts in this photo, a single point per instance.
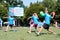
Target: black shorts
pixel 45 26
pixel 11 25
pixel 0 25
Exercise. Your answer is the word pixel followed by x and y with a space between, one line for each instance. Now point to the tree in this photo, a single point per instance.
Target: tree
pixel 58 11
pixel 15 2
pixel 50 4
pixel 58 6
pixel 3 10
pixel 36 7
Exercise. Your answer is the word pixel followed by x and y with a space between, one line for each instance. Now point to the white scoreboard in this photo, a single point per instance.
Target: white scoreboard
pixel 16 11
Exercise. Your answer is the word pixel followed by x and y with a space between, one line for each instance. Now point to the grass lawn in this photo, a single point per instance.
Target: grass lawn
pixel 22 34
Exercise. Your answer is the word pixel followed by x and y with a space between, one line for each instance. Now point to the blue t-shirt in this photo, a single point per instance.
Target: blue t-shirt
pixel 0 21
pixel 11 20
pixel 35 19
pixel 47 18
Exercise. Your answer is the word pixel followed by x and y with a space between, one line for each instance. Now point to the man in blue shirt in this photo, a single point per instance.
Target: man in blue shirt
pixel 10 23
pixel 46 25
pixel 47 21
pixel 35 19
pixel 35 22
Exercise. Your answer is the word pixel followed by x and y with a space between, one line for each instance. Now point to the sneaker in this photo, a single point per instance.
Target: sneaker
pixel 54 33
pixel 29 32
pixel 37 33
pixel 5 31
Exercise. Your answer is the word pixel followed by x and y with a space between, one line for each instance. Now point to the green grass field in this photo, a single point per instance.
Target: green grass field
pixel 22 34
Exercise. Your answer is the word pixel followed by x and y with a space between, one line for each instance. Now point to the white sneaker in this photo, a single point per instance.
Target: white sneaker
pixel 29 32
pixel 37 33
pixel 54 33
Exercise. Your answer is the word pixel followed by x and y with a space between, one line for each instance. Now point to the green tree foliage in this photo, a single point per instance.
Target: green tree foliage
pixel 58 6
pixel 50 4
pixel 15 3
pixel 58 11
pixel 36 7
pixel 3 10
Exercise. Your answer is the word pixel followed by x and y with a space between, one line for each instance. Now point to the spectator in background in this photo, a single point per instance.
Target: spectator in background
pixel 1 23
pixel 10 23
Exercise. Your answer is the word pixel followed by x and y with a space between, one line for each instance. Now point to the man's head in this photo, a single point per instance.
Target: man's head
pixel 35 14
pixel 46 11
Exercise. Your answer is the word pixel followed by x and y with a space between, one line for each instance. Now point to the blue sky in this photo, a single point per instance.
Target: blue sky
pixel 27 2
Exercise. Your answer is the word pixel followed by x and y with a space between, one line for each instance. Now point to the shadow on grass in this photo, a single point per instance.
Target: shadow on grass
pixel 11 30
pixel 44 33
pixel 58 34
pixel 33 31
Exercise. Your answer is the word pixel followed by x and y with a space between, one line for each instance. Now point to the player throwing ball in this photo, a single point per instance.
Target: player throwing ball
pixel 46 25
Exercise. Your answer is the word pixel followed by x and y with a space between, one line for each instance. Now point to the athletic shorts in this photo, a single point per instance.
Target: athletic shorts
pixel 40 24
pixel 0 25
pixel 11 25
pixel 45 26
pixel 34 25
pixel 31 23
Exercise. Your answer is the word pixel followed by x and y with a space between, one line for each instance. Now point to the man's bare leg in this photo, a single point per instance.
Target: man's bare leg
pixel 30 28
pixel 39 31
pixel 13 28
pixel 7 28
pixel 51 31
